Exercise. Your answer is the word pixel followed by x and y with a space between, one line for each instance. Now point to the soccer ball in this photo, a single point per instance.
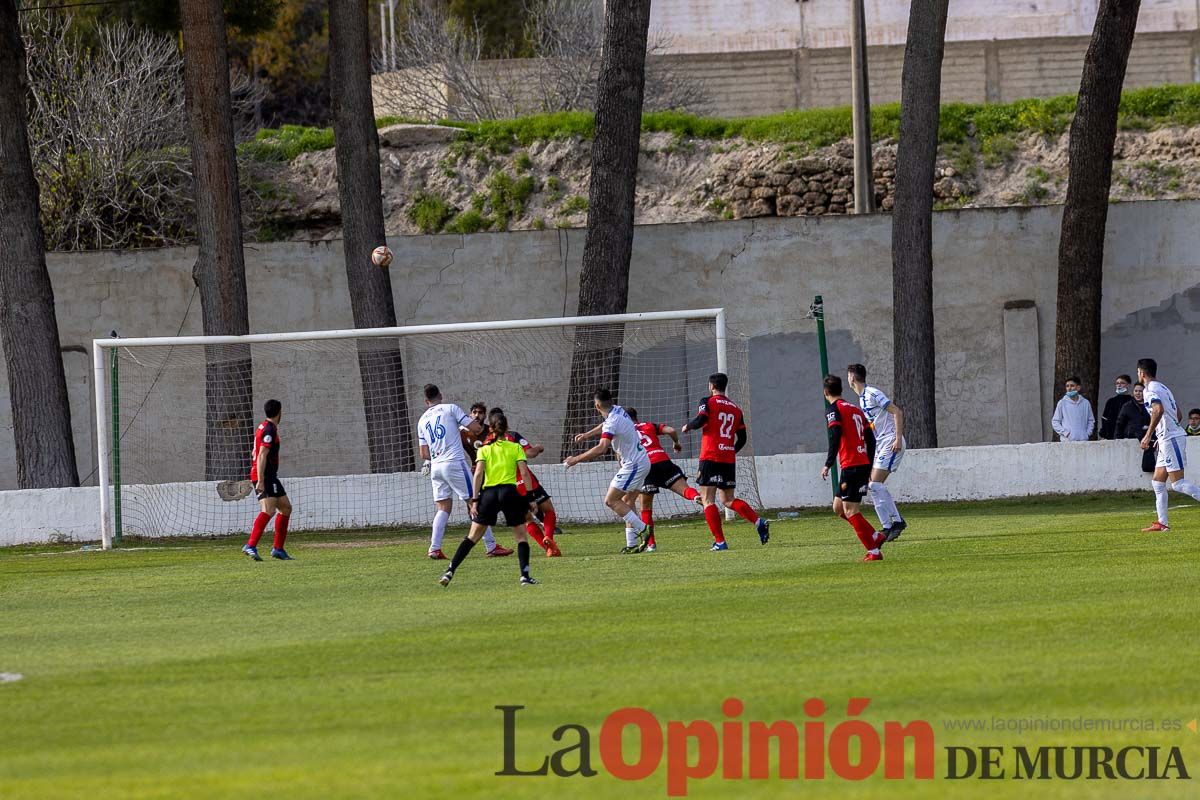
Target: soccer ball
pixel 381 256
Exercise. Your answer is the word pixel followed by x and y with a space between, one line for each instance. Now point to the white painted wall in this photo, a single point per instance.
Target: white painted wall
pixel 719 26
pixel 784 481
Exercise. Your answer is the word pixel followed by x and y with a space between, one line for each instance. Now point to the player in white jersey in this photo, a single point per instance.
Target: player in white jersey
pixel 1172 442
pixel 887 421
pixel 619 432
pixel 445 462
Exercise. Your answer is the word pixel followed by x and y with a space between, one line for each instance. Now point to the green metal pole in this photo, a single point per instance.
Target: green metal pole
pixel 115 400
pixel 818 312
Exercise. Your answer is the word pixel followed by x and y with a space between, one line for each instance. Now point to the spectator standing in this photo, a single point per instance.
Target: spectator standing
pixel 1132 423
pixel 1112 408
pixel 1193 425
pixel 1073 418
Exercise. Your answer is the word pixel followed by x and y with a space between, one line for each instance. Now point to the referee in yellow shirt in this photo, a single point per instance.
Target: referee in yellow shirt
pixel 497 466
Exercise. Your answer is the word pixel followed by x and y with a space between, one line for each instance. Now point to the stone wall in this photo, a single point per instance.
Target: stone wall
pixel 994 291
pixel 818 185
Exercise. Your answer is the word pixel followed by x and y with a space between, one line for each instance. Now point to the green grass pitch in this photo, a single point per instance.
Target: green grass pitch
pixel 187 671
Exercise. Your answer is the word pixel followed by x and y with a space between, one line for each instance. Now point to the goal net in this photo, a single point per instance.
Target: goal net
pixel 177 415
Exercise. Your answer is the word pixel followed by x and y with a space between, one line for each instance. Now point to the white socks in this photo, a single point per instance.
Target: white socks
pixel 631 538
pixel 1184 486
pixel 489 539
pixel 885 506
pixel 1160 499
pixel 633 521
pixel 440 519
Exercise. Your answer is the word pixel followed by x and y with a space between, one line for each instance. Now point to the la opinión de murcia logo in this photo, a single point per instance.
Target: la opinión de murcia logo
pixel 853 749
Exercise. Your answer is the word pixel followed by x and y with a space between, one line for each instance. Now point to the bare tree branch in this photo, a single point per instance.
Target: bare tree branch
pixel 441 71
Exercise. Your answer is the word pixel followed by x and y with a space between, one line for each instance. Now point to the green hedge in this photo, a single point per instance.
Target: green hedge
pixel 1141 109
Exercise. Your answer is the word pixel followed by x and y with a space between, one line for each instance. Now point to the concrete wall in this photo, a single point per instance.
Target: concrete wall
pixel 723 26
pixel 785 481
pixel 762 81
pixel 765 272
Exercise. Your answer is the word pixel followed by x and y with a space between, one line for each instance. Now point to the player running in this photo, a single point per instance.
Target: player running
pixel 618 432
pixel 500 465
pixel 445 462
pixel 723 436
pixel 887 422
pixel 852 444
pixel 1172 442
pixel 664 473
pixel 264 474
pixel 536 495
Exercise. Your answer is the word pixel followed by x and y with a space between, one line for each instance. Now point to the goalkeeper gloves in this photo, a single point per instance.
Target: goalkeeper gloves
pixel 425 469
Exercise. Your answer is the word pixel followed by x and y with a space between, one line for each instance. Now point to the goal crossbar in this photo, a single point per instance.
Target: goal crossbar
pixel 100 347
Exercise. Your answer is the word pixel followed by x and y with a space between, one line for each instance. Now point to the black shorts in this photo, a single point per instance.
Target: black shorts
pixel 717 473
pixel 271 488
pixel 852 484
pixel 663 475
pixel 496 499
pixel 537 496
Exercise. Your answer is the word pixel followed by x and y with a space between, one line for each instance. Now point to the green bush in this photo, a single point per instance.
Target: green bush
pixel 430 213
pixel 1141 109
pixel 997 150
pixel 574 205
pixel 507 196
pixel 284 144
pixel 469 221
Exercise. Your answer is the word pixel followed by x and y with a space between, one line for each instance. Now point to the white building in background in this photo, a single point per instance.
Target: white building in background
pixel 726 26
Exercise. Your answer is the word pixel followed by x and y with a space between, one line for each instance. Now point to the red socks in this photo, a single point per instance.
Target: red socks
pixel 648 518
pixel 550 522
pixel 260 525
pixel 712 515
pixel 866 533
pixel 535 533
pixel 742 508
pixel 281 525
pixel 690 494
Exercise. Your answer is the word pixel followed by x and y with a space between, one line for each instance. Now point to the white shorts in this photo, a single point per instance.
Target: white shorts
pixel 886 458
pixel 631 476
pixel 1172 454
pixel 451 477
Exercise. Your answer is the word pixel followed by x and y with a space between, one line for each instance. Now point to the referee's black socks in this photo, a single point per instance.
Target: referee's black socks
pixel 464 549
pixel 523 557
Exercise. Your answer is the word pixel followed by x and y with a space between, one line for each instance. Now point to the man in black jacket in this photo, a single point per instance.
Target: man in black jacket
pixel 1112 409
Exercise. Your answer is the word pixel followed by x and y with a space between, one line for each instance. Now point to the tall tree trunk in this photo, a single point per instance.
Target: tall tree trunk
pixel 220 269
pixel 1090 152
pixel 28 326
pixel 380 361
pixel 604 280
pixel 860 87
pixel 912 221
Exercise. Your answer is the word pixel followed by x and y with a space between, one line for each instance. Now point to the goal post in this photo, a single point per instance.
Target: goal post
pixel 150 416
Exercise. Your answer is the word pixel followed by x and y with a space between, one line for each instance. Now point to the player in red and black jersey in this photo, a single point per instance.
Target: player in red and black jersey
pixel 852 447
pixel 536 495
pixel 264 474
pixel 724 434
pixel 664 473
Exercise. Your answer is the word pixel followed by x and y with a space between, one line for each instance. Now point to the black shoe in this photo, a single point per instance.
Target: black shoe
pixel 447 576
pixel 528 581
pixel 893 533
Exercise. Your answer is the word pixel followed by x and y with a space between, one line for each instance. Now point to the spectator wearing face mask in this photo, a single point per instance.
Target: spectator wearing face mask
pixel 1112 409
pixel 1073 418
